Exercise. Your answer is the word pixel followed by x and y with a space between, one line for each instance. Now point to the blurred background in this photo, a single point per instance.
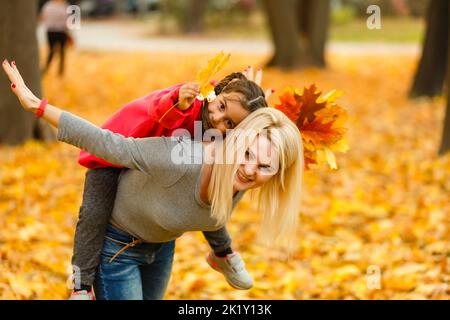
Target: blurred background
pixel 375 228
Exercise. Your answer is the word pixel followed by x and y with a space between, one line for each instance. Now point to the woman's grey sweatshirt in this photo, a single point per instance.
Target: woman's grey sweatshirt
pixel 158 200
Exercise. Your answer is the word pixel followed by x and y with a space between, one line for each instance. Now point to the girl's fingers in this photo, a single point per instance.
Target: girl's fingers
pixel 194 92
pixel 250 73
pixel 245 73
pixel 190 93
pixel 192 86
pixel 269 92
pixel 258 77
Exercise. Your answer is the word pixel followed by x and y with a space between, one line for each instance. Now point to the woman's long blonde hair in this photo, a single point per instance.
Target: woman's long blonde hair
pixel 278 198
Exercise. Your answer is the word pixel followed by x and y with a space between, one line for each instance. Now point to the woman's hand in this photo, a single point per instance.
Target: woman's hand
pixel 187 95
pixel 257 78
pixel 27 99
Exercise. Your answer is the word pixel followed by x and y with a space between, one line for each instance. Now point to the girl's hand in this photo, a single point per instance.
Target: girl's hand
pixel 27 99
pixel 187 95
pixel 257 78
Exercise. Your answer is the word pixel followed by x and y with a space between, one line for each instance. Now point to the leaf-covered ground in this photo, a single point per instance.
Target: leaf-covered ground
pixel 385 209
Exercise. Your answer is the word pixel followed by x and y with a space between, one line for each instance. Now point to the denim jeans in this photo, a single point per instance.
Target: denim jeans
pixel 141 272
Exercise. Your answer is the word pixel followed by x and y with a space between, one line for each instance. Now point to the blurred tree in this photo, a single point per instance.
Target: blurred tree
pixel 431 71
pixel 18 42
pixel 313 19
pixel 434 64
pixel 189 15
pixel 194 19
pixel 445 142
pixel 299 31
pixel 418 8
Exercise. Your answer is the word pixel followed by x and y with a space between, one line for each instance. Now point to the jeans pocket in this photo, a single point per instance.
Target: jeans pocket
pixel 110 248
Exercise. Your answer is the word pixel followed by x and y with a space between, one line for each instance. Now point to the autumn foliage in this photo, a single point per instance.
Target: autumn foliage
pixel 320 121
pixel 376 228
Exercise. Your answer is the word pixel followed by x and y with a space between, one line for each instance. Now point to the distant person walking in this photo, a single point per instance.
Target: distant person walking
pixel 54 16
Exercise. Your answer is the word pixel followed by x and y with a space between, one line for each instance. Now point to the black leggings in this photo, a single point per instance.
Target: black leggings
pixel 56 39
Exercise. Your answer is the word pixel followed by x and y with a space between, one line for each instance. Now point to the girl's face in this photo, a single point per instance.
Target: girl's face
pixel 261 162
pixel 226 112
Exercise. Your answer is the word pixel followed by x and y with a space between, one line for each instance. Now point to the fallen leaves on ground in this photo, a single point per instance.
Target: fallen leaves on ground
pixel 376 228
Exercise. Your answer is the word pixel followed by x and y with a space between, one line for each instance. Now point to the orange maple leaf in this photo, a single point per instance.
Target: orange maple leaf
pixel 320 121
pixel 310 105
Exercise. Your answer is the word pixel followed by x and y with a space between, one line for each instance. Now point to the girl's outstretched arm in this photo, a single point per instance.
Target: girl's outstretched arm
pixel 27 99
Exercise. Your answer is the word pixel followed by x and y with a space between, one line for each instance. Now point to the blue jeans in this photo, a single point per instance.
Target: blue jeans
pixel 141 272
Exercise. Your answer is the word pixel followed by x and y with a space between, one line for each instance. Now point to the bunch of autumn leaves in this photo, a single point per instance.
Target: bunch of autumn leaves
pixel 319 118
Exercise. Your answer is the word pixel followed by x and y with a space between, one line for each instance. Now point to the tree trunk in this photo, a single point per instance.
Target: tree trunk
pixel 194 21
pixel 142 7
pixel 317 19
pixel 445 142
pixel 430 75
pixel 290 49
pixel 18 42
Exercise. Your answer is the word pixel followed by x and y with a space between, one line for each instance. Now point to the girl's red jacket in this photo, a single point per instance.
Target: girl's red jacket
pixel 153 115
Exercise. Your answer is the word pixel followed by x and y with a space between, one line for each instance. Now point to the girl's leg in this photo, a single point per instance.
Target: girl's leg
pixel 98 201
pixel 155 276
pixel 121 278
pixel 219 241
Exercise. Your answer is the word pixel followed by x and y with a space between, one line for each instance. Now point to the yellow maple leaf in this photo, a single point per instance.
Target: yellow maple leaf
pixel 204 75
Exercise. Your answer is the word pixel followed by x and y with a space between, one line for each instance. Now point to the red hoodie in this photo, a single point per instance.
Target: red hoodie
pixel 153 115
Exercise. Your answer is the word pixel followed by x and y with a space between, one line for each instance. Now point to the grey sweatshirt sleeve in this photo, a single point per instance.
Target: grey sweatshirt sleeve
pixel 148 155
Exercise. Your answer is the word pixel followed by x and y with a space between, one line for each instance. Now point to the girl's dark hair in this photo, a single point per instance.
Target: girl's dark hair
pixel 254 97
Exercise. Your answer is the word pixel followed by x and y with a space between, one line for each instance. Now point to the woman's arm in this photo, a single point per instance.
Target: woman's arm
pixel 146 155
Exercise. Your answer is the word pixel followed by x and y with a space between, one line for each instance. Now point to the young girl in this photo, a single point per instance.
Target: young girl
pixel 160 113
pixel 160 199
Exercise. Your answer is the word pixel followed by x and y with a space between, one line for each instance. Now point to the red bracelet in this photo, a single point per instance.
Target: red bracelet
pixel 40 110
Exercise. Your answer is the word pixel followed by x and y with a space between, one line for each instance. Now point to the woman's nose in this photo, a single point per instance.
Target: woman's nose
pixel 250 169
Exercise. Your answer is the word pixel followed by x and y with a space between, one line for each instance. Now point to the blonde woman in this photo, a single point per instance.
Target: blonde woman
pixel 177 185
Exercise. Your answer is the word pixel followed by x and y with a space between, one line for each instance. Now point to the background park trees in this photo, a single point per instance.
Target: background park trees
pixel 433 67
pixel 299 32
pixel 298 28
pixel 18 41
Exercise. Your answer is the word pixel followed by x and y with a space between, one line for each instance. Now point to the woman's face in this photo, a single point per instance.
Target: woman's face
pixel 226 111
pixel 261 162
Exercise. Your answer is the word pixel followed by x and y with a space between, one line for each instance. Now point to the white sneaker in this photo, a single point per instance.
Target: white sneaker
pixel 233 268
